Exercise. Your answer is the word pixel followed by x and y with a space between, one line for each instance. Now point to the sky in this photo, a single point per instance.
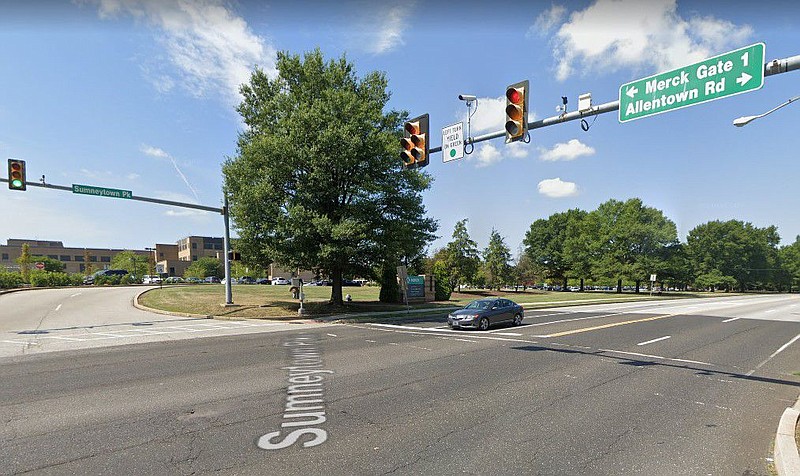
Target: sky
pixel 141 95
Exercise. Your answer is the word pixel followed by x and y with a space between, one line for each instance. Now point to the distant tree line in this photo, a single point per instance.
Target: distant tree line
pixel 623 242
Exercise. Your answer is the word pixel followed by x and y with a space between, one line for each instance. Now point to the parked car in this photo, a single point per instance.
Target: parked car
pixel 483 313
pixel 262 281
pixel 350 282
pixel 212 279
pixel 247 280
pixel 151 279
pixel 194 280
pixel 104 272
pixel 173 280
pixel 280 280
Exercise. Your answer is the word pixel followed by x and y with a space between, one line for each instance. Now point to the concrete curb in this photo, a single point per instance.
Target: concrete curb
pixel 142 307
pixel 787 459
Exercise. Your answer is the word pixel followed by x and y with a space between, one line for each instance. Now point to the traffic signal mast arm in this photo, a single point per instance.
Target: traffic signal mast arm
pixel 773 67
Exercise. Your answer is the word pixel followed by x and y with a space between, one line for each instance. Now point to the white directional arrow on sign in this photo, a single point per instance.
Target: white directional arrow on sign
pixel 631 92
pixel 743 79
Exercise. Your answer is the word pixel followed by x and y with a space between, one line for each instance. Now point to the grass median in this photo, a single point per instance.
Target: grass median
pixel 271 302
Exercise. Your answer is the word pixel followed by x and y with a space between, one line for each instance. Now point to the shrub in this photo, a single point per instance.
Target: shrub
pixel 10 280
pixel 442 289
pixel 41 279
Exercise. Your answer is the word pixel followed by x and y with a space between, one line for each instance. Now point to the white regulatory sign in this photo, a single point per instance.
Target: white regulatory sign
pixel 453 142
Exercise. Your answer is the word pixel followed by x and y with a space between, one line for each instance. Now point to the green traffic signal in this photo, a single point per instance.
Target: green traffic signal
pixel 16 174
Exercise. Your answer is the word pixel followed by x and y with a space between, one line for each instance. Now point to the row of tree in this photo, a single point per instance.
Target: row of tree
pixel 624 241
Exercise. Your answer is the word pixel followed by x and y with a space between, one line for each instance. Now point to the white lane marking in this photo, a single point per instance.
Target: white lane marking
pixel 76 295
pixel 732 319
pixel 576 319
pixel 769 311
pixel 783 347
pixel 654 340
pixel 656 357
pixel 58 308
pixel 116 336
pixel 333 335
pixel 65 338
pixel 372 341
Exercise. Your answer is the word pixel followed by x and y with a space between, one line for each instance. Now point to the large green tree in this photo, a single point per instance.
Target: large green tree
pixel 556 245
pixel 461 258
pixel 734 249
pixel 629 240
pixel 135 264
pixel 496 258
pixel 317 182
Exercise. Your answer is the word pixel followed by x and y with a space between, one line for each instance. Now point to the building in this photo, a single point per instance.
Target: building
pixel 173 260
pixel 170 259
pixel 74 259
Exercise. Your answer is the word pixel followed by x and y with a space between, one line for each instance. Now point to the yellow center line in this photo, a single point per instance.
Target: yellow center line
pixel 606 326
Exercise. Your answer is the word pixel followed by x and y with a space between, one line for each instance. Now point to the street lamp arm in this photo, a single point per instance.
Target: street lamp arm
pixel 744 120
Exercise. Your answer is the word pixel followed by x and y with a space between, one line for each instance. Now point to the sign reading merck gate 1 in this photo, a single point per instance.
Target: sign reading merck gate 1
pixel 735 72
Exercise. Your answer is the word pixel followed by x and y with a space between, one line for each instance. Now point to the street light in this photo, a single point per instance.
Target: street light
pixel 744 120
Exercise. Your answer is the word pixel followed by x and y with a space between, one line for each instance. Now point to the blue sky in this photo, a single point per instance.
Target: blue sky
pixel 140 95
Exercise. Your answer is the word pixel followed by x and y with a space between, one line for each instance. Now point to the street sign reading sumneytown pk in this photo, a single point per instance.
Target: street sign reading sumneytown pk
pixel 101 192
pixel 735 72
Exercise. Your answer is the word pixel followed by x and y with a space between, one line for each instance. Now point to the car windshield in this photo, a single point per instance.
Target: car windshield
pixel 479 305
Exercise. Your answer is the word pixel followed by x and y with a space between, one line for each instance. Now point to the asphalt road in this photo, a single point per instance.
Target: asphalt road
pixel 686 387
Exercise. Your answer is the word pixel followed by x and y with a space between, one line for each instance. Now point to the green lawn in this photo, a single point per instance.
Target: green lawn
pixel 253 301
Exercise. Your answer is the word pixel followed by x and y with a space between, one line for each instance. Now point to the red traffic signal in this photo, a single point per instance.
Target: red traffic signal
pixel 16 174
pixel 414 144
pixel 517 111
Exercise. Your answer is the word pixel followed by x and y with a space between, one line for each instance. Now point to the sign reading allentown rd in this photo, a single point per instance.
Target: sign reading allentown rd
pixel 735 72
pixel 101 192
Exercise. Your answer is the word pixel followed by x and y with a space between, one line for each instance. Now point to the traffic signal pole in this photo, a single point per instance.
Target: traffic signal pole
pixel 222 211
pixel 771 68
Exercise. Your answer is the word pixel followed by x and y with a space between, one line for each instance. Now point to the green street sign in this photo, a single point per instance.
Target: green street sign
pixel 731 73
pixel 101 192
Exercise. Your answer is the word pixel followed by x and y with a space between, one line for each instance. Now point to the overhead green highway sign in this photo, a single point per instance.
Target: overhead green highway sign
pixel 731 73
pixel 101 192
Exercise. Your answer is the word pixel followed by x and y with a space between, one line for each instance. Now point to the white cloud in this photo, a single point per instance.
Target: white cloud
pixel 557 188
pixel 389 32
pixel 570 150
pixel 547 20
pixel 611 34
pixel 488 155
pixel 153 151
pixel 211 47
pixel 490 116
pixel 517 150
pixel 132 176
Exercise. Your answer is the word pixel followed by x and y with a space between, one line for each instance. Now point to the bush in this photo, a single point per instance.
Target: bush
pixel 41 279
pixel 10 280
pixel 442 289
pixel 390 290
pixel 103 280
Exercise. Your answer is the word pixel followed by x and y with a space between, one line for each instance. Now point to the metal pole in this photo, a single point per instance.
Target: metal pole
pixel 227 246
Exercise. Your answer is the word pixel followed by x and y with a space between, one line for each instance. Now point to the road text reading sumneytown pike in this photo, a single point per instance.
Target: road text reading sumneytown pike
pixel 304 411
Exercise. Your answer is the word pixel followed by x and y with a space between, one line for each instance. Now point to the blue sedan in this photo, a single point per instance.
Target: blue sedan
pixel 483 313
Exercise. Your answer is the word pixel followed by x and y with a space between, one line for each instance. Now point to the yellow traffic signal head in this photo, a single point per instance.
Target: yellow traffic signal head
pixel 517 111
pixel 414 144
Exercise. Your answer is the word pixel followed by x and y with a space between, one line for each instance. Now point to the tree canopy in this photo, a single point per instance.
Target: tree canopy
pixel 317 182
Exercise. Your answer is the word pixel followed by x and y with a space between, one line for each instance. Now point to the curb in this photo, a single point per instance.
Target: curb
pixel 165 313
pixel 787 459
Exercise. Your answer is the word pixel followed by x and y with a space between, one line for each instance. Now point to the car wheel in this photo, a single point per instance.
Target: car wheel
pixel 483 324
pixel 518 319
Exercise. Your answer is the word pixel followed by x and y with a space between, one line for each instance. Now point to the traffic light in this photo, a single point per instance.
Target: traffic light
pixel 516 111
pixel 415 142
pixel 16 174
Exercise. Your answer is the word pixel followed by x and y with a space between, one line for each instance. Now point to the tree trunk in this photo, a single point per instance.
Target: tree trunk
pixel 336 288
pixel 564 287
pixel 581 284
pixel 637 286
pixel 619 286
